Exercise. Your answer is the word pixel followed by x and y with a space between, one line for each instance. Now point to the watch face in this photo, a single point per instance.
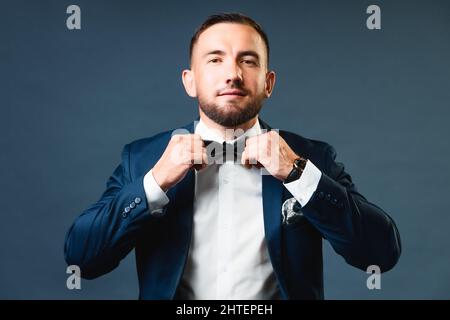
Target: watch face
pixel 300 163
pixel 293 175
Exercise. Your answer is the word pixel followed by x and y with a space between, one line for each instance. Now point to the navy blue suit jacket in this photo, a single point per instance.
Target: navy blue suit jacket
pixel 104 234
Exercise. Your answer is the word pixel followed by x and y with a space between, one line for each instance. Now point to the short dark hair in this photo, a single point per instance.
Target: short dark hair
pixel 232 18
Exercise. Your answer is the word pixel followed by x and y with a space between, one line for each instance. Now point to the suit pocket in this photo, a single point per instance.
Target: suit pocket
pixel 296 222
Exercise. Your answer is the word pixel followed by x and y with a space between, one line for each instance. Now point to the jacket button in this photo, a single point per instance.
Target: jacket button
pixel 127 209
pixel 328 197
pixel 320 195
pixel 124 214
pixel 334 201
pixel 137 200
pixel 132 205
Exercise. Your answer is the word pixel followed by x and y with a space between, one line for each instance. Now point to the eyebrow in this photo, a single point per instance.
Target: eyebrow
pixel 217 52
pixel 240 54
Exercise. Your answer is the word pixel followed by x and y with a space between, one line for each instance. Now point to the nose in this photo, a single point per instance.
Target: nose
pixel 234 74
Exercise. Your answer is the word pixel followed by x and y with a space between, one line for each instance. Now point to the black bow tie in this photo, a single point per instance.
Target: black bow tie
pixel 220 152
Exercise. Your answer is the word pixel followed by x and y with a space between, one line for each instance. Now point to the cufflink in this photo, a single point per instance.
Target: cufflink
pixel 291 211
pixel 158 213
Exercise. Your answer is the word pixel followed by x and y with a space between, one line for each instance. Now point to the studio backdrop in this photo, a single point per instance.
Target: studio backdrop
pixel 73 93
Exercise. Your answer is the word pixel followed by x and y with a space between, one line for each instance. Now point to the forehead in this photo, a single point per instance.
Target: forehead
pixel 229 36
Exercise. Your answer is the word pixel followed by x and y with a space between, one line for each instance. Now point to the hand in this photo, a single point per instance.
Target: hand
pixel 184 152
pixel 269 150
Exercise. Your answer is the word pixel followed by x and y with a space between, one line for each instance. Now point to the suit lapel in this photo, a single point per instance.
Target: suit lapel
pixel 184 193
pixel 272 190
pixel 182 217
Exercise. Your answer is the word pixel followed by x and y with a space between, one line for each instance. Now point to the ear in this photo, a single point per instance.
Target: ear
pixel 270 83
pixel 189 82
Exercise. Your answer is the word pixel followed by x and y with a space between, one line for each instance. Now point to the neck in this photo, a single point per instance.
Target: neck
pixel 227 133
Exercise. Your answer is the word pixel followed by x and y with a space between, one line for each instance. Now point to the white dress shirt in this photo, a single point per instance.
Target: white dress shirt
pixel 228 256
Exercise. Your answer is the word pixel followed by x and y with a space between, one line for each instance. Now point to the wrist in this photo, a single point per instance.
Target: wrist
pixel 159 179
pixel 298 165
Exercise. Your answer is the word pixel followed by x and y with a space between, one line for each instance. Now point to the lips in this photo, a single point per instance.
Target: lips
pixel 233 92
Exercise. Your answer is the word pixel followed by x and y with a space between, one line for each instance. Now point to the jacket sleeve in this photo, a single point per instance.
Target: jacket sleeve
pixel 107 231
pixel 358 230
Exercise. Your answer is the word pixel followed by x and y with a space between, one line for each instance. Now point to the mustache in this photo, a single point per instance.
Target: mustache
pixel 233 87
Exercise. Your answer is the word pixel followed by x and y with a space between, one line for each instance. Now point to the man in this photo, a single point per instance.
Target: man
pixel 248 227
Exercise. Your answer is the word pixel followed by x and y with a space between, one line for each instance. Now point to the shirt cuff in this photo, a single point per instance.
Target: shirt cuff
pixel 303 188
pixel 156 197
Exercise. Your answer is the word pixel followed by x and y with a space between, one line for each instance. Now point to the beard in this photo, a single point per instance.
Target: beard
pixel 230 114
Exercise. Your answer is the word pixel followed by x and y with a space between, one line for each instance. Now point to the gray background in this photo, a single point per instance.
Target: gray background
pixel 70 100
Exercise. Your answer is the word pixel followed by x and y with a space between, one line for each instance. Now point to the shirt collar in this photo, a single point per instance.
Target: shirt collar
pixel 210 134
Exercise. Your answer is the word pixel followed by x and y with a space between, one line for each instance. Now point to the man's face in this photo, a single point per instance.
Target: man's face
pixel 229 73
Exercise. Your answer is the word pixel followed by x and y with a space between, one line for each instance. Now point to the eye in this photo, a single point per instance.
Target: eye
pixel 214 60
pixel 249 62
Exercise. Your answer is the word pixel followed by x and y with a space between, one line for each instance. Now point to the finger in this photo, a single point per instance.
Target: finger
pixel 251 150
pixel 196 143
pixel 197 158
pixel 190 158
pixel 245 155
pixel 205 157
pixel 200 160
pixel 244 160
pixel 186 159
pixel 198 138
